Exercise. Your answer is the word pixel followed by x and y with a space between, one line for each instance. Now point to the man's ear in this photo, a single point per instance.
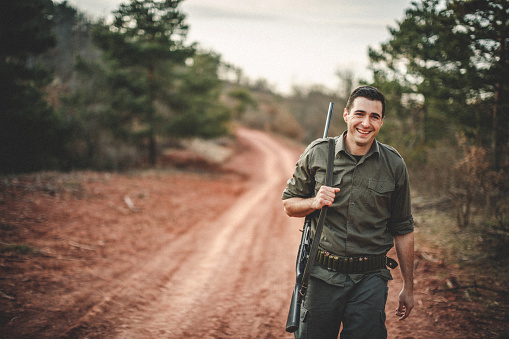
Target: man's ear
pixel 345 115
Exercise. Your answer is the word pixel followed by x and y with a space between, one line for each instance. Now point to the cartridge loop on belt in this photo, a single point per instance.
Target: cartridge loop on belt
pixel 362 264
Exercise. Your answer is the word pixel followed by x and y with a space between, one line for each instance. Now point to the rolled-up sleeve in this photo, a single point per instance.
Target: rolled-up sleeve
pixel 302 183
pixel 401 221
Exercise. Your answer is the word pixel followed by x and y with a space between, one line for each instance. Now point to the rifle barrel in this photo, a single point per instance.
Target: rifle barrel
pixel 327 123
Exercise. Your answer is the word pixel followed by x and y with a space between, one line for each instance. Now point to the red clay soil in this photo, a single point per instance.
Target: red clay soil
pixel 177 254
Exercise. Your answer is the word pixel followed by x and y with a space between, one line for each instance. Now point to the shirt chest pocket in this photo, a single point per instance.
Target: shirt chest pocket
pixel 380 192
pixel 320 181
pixel 381 186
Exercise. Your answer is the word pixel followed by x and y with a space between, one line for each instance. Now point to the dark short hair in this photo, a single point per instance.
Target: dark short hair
pixel 367 92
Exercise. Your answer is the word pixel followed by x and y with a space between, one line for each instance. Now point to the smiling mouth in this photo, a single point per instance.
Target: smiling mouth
pixel 363 132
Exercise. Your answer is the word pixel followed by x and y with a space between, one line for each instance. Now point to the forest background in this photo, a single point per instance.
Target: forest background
pixel 82 94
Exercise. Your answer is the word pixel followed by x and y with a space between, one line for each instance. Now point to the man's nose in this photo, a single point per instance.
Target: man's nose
pixel 366 121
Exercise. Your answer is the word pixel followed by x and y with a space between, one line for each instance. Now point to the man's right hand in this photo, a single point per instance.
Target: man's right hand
pixel 325 197
pixel 300 207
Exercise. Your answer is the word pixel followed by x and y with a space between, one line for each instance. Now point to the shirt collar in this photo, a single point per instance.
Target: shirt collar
pixel 340 145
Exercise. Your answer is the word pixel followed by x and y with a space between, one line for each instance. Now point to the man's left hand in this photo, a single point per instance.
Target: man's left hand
pixel 406 304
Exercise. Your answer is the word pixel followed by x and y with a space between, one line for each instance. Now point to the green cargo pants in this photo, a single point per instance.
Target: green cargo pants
pixel 359 306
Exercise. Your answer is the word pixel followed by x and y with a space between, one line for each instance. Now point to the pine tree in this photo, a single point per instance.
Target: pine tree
pixel 145 41
pixel 31 133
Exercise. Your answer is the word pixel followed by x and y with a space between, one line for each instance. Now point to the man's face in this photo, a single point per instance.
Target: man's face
pixel 363 122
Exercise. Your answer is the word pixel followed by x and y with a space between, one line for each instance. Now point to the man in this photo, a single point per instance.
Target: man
pixel 369 211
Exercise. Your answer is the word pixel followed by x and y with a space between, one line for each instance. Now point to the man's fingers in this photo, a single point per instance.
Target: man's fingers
pixel 405 315
pixel 326 201
pixel 403 312
pixel 330 191
pixel 326 196
pixel 400 313
pixel 334 189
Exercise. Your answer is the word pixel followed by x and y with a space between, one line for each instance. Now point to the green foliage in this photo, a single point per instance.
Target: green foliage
pixel 32 135
pixel 25 28
pixel 484 26
pixel 148 87
pixel 145 33
pixel 72 34
pixel 244 100
pixel 100 137
pixel 454 57
pixel 158 85
pixel 145 40
pixel 200 111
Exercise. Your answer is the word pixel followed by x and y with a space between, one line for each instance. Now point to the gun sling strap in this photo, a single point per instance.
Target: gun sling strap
pixel 321 220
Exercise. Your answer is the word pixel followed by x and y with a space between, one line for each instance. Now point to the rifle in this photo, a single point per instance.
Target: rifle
pixel 306 254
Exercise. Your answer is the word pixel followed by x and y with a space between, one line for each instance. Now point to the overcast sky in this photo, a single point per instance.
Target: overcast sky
pixel 286 42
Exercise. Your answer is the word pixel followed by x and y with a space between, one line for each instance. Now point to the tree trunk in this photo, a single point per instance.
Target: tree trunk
pixel 494 128
pixel 152 147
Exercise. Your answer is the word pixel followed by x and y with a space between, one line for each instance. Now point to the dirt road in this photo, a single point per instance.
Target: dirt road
pixel 192 256
pixel 226 277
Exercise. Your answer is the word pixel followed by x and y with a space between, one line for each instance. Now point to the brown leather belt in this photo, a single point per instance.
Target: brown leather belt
pixel 361 264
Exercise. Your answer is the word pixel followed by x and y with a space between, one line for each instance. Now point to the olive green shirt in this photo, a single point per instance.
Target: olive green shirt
pixel 372 206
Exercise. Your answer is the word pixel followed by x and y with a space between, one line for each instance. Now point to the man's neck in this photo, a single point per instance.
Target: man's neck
pixel 355 149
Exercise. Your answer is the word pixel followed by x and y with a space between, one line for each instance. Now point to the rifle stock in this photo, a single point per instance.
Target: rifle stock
pixel 292 323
